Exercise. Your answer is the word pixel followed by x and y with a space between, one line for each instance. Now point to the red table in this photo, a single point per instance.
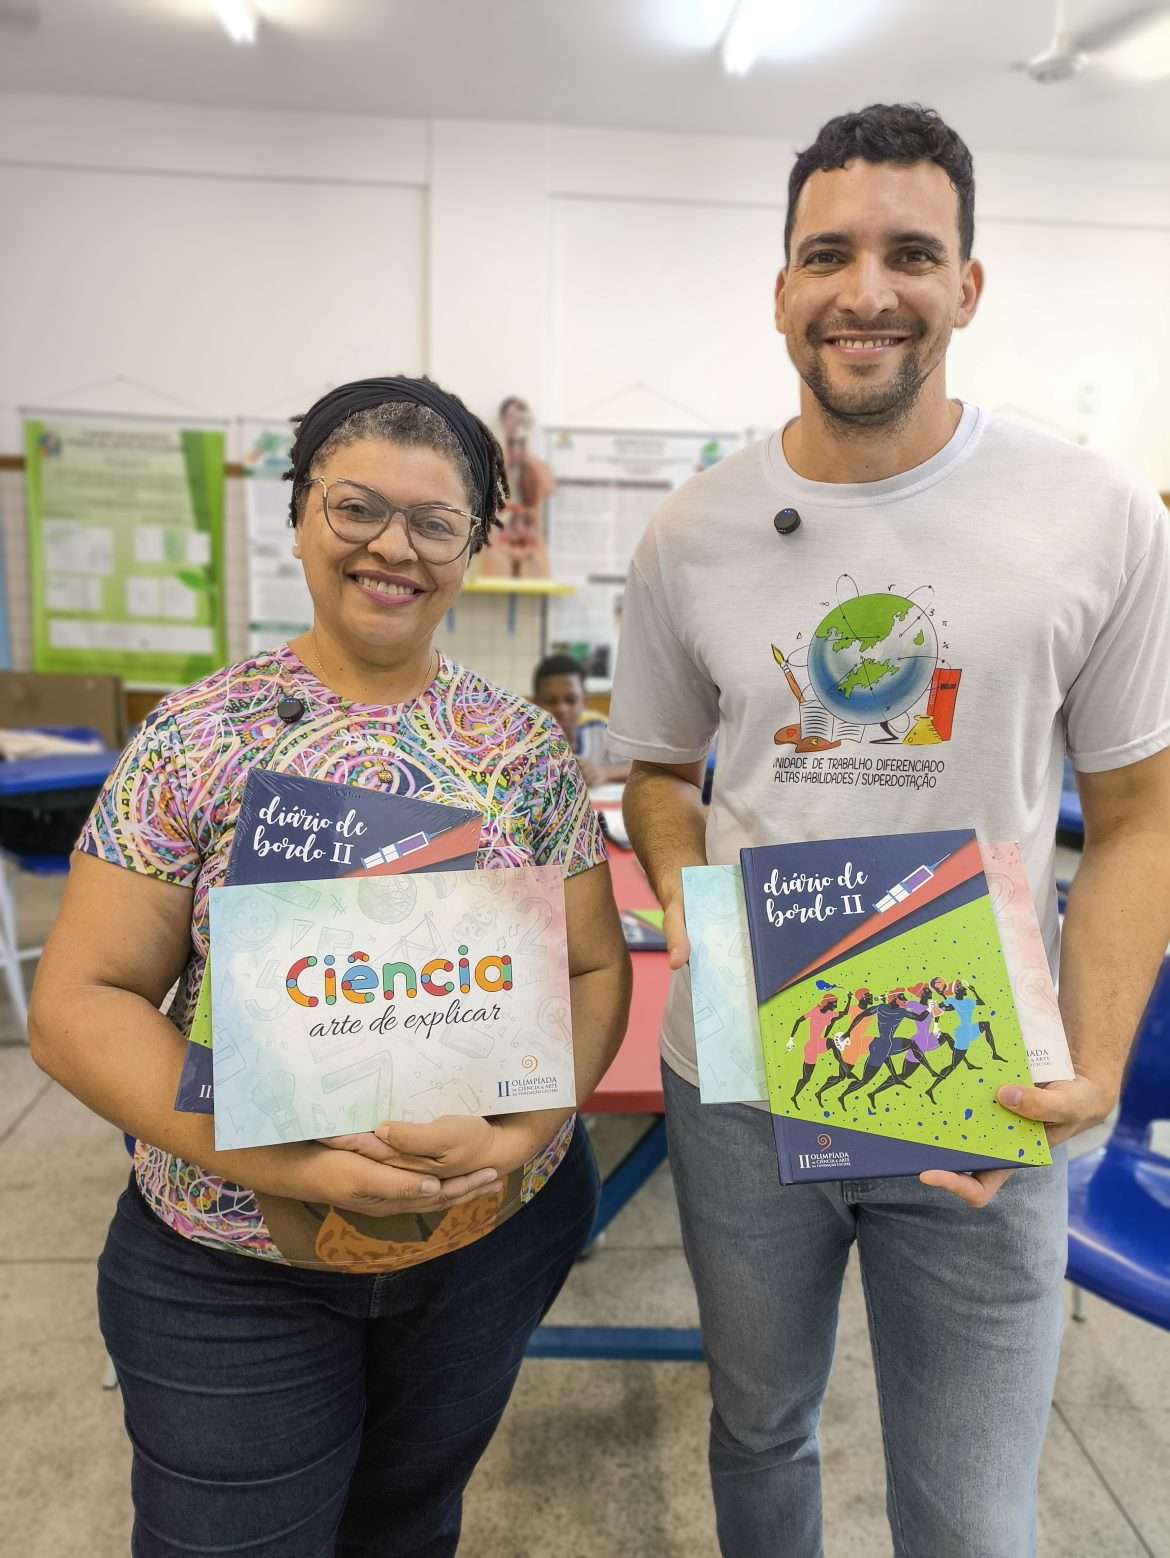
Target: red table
pixel 632 1085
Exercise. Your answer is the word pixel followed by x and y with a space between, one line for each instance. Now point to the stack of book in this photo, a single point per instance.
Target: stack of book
pixel 360 970
pixel 876 993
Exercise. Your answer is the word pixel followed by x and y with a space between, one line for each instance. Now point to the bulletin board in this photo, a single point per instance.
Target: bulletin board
pixel 609 483
pixel 279 607
pixel 125 529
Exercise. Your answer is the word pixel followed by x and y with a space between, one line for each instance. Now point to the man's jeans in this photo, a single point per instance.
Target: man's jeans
pixel 277 1412
pixel 964 1314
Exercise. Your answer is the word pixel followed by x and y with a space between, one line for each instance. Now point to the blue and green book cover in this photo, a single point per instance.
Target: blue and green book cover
pixel 885 1008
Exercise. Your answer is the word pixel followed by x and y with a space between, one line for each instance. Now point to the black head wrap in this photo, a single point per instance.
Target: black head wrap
pixel 474 438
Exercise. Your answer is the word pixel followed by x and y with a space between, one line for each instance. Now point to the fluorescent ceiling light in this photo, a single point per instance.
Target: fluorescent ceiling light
pixel 788 30
pixel 751 26
pixel 238 19
pixel 1143 54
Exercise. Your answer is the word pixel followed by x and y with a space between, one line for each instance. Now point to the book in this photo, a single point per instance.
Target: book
pixel 878 969
pixel 292 830
pixel 723 992
pixel 727 1040
pixel 642 929
pixel 440 993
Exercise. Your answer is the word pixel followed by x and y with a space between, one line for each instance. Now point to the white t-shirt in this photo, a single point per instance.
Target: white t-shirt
pixel 917 655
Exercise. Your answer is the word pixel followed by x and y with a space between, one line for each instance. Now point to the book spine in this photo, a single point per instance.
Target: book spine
pixel 783 1151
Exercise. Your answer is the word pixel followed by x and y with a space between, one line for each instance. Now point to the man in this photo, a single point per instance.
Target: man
pixel 558 686
pixel 982 593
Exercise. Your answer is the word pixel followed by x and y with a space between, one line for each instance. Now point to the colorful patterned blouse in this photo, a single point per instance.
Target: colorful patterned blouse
pixel 169 810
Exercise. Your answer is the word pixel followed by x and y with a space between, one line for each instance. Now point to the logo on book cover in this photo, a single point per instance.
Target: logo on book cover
pixel 820 1160
pixel 528 1085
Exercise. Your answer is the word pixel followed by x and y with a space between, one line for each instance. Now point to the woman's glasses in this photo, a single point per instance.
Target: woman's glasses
pixel 437 532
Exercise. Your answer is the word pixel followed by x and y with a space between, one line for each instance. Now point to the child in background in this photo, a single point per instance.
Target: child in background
pixel 558 685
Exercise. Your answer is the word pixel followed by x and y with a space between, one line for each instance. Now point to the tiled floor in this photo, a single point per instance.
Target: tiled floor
pixel 592 1459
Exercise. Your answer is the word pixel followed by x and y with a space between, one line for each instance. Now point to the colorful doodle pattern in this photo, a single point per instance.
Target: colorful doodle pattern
pixel 169 810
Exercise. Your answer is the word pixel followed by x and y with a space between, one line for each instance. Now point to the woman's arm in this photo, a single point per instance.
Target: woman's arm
pixel 120 941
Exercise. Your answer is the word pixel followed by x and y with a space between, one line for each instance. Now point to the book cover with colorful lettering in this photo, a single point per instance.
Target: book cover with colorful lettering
pixel 441 993
pixel 291 829
pixel 885 1007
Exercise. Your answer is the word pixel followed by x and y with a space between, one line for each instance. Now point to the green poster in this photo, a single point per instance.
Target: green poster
pixel 125 525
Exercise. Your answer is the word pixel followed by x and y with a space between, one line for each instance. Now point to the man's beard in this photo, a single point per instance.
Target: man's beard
pixel 864 406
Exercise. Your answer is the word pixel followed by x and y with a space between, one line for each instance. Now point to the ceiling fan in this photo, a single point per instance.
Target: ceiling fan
pixel 1133 45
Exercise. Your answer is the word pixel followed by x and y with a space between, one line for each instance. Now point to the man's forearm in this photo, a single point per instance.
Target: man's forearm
pixel 1116 929
pixel 667 824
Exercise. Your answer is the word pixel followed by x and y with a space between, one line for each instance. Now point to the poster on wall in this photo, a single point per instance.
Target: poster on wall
pixel 5 636
pixel 279 607
pixel 125 522
pixel 609 482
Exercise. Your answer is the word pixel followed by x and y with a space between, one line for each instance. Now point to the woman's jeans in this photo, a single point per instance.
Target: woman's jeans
pixel 964 1315
pixel 285 1413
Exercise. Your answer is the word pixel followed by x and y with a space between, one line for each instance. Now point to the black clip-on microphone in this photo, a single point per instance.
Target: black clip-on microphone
pixel 786 522
pixel 290 710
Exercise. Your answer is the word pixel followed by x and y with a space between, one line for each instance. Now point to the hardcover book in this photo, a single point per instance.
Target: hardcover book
pixel 439 993
pixel 294 830
pixel 879 978
pixel 723 998
pixel 642 929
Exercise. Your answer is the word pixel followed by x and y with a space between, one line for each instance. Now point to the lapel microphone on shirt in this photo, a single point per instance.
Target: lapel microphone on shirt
pixel 290 710
pixel 787 522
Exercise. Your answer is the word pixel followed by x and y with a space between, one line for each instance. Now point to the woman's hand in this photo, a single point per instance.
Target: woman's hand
pixel 332 1173
pixel 364 1143
pixel 460 1144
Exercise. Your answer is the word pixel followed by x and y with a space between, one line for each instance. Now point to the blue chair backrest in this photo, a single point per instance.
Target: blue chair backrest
pixel 1145 1092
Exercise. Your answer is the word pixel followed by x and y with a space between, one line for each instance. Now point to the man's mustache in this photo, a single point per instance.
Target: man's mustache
pixel 819 333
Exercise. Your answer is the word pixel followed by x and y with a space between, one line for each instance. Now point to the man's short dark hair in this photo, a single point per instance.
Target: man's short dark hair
pixel 889 132
pixel 557 665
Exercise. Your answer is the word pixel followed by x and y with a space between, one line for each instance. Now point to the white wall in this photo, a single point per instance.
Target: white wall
pixel 240 262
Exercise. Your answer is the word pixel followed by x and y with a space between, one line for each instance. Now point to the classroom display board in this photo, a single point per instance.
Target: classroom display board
pixel 125 522
pixel 609 482
pixel 5 635
pixel 279 607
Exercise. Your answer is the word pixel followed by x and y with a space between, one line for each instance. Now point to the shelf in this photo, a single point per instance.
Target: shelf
pixel 518 587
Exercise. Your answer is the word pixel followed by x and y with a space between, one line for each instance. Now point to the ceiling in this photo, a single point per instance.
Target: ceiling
pixel 632 64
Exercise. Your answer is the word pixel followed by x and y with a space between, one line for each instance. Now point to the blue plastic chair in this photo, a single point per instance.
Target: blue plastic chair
pixel 1119 1196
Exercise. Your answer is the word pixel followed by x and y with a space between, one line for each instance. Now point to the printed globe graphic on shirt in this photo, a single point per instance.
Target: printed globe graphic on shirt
pixel 872 657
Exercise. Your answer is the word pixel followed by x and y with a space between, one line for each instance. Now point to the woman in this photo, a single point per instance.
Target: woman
pixel 315 1341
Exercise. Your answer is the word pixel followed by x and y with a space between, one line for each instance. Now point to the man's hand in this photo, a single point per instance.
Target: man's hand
pixel 1064 1108
pixel 674 928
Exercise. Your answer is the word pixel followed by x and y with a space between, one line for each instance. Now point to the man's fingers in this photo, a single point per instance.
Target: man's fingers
pixel 1039 1103
pixel 976 1190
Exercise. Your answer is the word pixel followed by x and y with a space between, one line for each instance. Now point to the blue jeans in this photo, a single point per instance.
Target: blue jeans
pixel 287 1413
pixel 964 1314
